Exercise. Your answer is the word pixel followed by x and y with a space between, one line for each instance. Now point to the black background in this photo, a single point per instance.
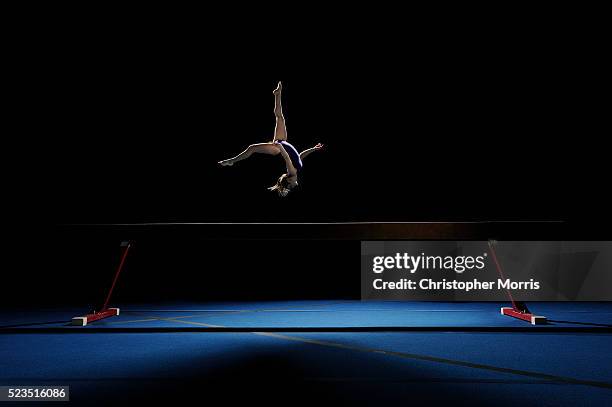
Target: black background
pixel 451 130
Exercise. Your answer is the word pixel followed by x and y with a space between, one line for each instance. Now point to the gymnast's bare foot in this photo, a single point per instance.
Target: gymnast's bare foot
pixel 226 163
pixel 279 88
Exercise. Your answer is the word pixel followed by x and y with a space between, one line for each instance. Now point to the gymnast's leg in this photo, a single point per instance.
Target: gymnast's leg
pixel 280 131
pixel 263 148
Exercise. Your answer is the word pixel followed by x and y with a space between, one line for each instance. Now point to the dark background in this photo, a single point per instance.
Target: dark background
pixel 445 130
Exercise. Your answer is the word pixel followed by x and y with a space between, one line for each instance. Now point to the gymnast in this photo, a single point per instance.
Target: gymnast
pixel 293 159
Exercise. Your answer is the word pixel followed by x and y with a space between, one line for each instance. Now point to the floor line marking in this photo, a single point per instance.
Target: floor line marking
pixel 148 319
pixel 133 321
pixel 156 318
pixel 237 311
pixel 188 322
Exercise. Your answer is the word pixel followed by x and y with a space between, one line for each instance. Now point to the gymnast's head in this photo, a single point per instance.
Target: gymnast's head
pixel 284 185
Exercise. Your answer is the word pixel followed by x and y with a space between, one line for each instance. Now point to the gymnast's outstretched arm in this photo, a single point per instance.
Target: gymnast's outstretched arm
pixel 310 150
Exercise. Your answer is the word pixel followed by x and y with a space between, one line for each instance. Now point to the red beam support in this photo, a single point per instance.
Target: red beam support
pixel 515 311
pixel 84 320
pixel 525 316
pixel 105 312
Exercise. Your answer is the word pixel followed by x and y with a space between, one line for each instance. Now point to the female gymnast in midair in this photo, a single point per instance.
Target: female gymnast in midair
pixel 293 159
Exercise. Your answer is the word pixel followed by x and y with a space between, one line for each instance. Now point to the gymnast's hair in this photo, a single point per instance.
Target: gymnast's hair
pixel 281 186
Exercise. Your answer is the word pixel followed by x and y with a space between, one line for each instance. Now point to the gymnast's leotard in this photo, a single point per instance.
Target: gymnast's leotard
pixel 293 155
